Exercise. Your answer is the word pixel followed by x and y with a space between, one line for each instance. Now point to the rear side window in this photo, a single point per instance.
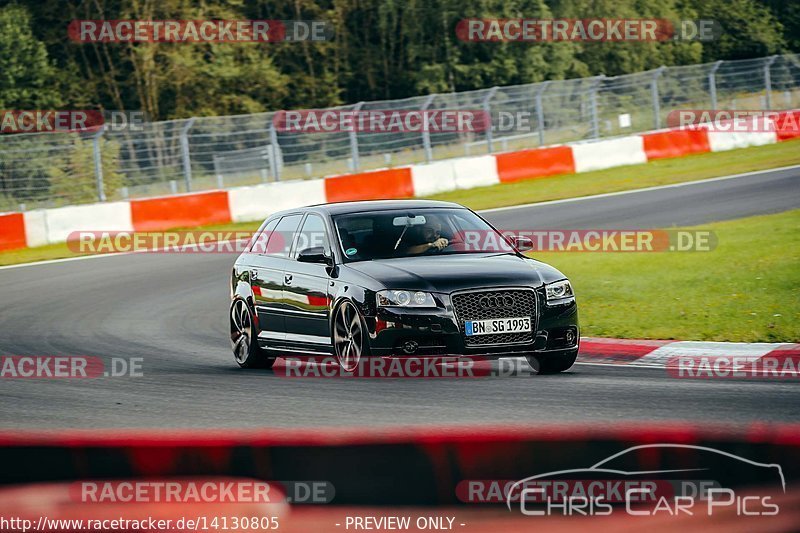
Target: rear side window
pixel 260 242
pixel 280 241
pixel 313 235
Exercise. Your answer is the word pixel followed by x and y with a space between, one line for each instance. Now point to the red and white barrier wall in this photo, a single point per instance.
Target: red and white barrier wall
pixel 47 226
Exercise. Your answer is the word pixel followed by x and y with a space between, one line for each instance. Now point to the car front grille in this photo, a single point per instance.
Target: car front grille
pixel 468 306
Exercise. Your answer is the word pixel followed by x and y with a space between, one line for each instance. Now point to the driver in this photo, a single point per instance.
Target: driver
pixel 426 238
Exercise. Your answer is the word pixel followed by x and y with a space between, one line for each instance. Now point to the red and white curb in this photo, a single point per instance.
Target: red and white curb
pixel 676 355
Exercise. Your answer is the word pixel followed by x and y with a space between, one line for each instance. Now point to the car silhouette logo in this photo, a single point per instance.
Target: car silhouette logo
pixel 602 467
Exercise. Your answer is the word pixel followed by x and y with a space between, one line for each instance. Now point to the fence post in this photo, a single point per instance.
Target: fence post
pixel 98 165
pixel 187 162
pixel 656 100
pixel 264 173
pixel 273 144
pixel 426 135
pixel 712 83
pixel 217 172
pixel 540 111
pixel 593 102
pixel 354 139
pixel 768 80
pixel 487 109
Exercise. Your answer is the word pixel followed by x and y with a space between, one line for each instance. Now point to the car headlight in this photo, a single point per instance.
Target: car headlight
pixel 405 299
pixel 560 290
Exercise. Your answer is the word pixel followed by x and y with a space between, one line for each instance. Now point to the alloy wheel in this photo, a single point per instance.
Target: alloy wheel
pixel 348 337
pixel 241 330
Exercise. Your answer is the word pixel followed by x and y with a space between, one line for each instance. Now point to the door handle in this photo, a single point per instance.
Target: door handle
pixel 287 278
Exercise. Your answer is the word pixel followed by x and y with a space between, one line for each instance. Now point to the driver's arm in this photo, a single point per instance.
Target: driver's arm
pixel 439 243
pixel 419 248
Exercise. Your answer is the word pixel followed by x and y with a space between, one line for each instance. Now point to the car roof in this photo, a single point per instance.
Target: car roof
pixel 343 208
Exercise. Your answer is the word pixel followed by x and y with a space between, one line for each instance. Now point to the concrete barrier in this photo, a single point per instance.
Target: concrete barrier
pixel 260 201
pixel 111 216
pixel 253 203
pixel 397 466
pixel 375 185
pixel 609 153
pixel 12 231
pixel 536 163
pixel 180 211
pixel 478 171
pixel 433 178
pixel 675 143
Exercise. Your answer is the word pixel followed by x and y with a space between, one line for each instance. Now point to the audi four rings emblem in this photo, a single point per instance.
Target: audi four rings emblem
pixel 489 302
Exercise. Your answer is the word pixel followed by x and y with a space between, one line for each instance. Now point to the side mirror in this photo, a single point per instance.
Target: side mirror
pixel 523 244
pixel 315 254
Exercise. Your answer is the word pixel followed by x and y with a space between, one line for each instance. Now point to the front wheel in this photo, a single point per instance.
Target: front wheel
pixel 349 336
pixel 244 340
pixel 552 363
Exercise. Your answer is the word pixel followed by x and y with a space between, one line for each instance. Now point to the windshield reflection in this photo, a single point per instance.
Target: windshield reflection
pixel 416 232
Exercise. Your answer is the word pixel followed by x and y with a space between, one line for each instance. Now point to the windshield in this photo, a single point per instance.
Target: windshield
pixel 414 232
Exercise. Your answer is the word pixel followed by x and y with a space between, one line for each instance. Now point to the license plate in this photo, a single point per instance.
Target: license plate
pixel 497 325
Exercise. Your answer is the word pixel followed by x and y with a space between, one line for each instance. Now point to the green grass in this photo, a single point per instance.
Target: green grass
pixel 660 172
pixel 747 289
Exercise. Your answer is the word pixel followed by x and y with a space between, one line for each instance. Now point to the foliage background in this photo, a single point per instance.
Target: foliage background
pixel 382 49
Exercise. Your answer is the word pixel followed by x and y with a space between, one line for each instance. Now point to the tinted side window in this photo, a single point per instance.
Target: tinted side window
pixel 313 235
pixel 280 242
pixel 260 242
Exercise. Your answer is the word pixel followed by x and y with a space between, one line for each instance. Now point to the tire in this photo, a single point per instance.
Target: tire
pixel 244 343
pixel 552 363
pixel 349 336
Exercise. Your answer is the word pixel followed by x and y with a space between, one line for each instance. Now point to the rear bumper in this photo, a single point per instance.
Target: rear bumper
pixel 431 332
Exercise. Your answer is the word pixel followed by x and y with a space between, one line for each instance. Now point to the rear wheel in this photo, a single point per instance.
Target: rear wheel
pixel 244 340
pixel 552 363
pixel 349 336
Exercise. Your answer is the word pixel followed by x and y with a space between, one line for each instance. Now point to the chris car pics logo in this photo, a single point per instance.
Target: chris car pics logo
pixel 703 484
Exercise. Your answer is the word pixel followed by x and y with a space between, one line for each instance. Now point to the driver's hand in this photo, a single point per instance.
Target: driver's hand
pixel 440 243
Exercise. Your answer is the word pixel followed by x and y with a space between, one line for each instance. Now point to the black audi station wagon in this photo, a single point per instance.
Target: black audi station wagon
pixel 397 278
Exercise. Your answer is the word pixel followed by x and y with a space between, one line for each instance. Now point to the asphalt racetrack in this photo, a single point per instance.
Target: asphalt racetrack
pixel 172 311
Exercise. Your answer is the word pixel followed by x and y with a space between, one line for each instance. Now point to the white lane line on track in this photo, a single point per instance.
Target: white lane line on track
pixel 631 365
pixel 493 210
pixel 635 191
pixel 111 254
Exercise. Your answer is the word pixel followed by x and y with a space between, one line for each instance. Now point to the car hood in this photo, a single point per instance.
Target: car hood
pixel 448 273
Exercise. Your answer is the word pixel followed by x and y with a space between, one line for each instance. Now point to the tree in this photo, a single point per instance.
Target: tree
pixel 615 58
pixel 749 29
pixel 72 172
pixel 27 78
pixel 788 13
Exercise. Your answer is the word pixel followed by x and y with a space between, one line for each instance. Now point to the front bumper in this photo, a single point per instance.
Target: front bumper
pixel 431 332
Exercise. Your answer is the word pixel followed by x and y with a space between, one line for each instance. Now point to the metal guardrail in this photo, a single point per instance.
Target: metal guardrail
pixel 52 169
